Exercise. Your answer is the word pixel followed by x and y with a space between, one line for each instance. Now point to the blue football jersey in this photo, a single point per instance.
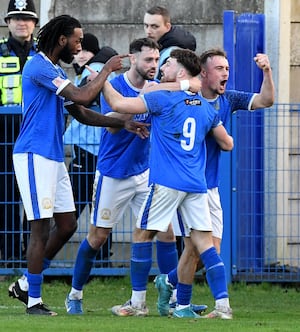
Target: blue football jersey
pixel 123 154
pixel 43 109
pixel 180 123
pixel 225 104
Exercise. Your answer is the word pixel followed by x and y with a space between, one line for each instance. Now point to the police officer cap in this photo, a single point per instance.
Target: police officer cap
pixel 21 8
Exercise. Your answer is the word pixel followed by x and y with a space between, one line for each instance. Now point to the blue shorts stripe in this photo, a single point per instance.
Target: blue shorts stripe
pixel 97 200
pixel 32 184
pixel 145 215
pixel 180 223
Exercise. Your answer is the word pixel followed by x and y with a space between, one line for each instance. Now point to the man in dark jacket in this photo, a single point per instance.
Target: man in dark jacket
pixel 157 26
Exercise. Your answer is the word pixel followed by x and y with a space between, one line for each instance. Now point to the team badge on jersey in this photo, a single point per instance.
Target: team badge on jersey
pixel 58 81
pixel 216 105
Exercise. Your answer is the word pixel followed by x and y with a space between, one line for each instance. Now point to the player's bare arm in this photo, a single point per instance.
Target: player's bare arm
pixel 124 117
pixel 192 85
pixel 223 139
pixel 266 96
pixel 92 118
pixel 86 94
pixel 121 104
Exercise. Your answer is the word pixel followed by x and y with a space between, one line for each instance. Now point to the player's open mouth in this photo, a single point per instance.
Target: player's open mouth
pixel 223 83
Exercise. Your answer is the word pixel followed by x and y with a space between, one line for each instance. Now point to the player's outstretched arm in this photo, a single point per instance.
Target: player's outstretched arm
pixel 266 96
pixel 125 117
pixel 192 85
pixel 121 104
pixel 85 94
pixel 92 118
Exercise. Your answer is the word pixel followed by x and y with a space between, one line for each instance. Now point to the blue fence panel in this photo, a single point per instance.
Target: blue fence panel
pixel 14 230
pixel 272 248
pixel 226 185
pixel 12 234
pixel 250 133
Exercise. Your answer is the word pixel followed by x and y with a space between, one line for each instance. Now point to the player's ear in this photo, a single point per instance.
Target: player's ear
pixel 62 40
pixel 132 58
pixel 181 74
pixel 203 73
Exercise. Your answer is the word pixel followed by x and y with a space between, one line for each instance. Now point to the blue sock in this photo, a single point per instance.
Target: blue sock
pixel 184 294
pixel 167 256
pixel 46 263
pixel 35 284
pixel 173 277
pixel 83 264
pixel 215 273
pixel 141 262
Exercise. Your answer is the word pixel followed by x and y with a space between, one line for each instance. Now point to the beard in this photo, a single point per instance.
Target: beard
pixel 146 75
pixel 165 79
pixel 65 55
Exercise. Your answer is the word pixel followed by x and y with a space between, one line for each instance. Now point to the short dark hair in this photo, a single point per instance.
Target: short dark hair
pixel 49 34
pixel 137 44
pixel 158 10
pixel 211 53
pixel 188 59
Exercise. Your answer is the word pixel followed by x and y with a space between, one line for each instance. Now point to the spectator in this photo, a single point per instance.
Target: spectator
pixel 157 26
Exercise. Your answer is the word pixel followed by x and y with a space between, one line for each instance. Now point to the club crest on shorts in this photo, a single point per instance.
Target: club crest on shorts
pixel 46 203
pixel 105 214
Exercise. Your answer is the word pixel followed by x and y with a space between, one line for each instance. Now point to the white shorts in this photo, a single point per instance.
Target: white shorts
pixel 44 185
pixel 112 196
pixel 162 203
pixel 216 215
pixel 216 212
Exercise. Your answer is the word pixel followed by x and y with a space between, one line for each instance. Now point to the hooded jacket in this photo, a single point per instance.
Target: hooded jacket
pixel 102 56
pixel 175 38
pixel 178 37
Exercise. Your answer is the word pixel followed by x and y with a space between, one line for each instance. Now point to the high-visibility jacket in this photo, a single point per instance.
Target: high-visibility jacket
pixel 10 75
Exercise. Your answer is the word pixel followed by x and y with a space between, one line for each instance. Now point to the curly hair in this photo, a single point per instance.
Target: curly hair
pixel 188 59
pixel 49 34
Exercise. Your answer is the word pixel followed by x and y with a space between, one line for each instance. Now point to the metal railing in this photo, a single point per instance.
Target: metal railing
pixel 264 204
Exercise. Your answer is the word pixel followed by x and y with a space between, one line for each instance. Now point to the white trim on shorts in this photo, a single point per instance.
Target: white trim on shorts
pixel 216 212
pixel 44 185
